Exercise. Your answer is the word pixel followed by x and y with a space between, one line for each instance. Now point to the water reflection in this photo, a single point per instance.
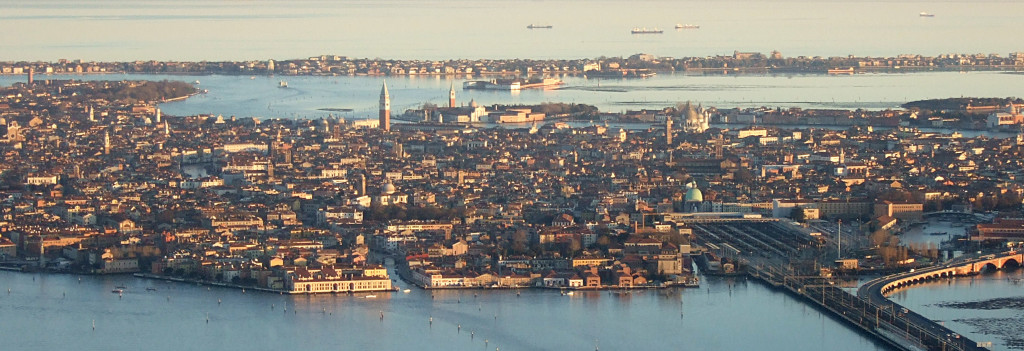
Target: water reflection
pixel 724 314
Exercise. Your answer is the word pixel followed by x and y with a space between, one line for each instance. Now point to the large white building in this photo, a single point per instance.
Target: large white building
pixel 697 120
pixel 302 280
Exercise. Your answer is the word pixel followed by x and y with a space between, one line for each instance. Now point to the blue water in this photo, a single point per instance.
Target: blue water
pixel 260 96
pixel 721 315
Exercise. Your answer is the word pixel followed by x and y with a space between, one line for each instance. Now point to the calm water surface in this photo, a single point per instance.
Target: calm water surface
pixel 260 96
pixel 721 315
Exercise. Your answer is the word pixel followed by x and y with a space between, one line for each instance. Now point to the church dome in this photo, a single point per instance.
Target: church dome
pixel 389 189
pixel 694 195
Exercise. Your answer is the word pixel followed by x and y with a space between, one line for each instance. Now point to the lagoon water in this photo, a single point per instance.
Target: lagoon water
pixel 47 312
pixel 260 96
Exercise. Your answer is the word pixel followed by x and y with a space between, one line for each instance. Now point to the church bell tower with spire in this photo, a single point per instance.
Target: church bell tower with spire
pixel 451 96
pixel 385 108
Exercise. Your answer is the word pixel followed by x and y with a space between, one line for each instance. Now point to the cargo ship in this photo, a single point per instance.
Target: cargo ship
pixel 925 14
pixel 647 31
pixel 687 26
pixel 536 26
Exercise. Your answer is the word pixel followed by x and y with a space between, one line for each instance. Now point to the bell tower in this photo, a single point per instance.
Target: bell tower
pixel 385 108
pixel 451 96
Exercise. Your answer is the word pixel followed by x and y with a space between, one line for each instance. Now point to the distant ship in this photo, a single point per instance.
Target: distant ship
pixel 687 26
pixel 925 14
pixel 511 84
pixel 538 26
pixel 283 84
pixel 647 31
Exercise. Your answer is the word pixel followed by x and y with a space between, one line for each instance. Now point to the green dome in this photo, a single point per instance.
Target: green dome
pixel 694 195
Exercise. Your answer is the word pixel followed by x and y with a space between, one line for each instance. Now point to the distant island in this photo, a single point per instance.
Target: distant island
pixel 600 66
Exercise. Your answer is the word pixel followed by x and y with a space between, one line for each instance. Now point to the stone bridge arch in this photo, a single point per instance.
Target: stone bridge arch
pixel 1010 263
pixel 988 267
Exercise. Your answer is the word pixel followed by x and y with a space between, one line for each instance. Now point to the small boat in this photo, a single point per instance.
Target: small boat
pixel 117 291
pixel 687 26
pixel 196 82
pixel 536 26
pixel 570 293
pixel 370 297
pixel 283 84
pixel 150 289
pixel 925 14
pixel 407 291
pixel 646 31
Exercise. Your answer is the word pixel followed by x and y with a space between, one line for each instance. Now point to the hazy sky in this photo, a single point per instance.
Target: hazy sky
pixel 239 30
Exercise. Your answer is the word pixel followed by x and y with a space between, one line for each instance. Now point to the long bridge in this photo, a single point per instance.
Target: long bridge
pixel 768 250
pixel 885 285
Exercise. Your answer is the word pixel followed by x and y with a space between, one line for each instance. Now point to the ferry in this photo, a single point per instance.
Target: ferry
pixel 687 26
pixel 537 26
pixel 925 14
pixel 512 84
pixel 848 70
pixel 647 31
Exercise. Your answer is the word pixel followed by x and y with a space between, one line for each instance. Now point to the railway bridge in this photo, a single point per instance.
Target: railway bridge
pixel 954 269
pixel 778 256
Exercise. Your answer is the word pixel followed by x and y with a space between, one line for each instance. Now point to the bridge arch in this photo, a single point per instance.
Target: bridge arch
pixel 1010 264
pixel 988 267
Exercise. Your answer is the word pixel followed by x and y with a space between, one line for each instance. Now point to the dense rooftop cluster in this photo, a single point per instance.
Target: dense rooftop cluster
pixel 98 185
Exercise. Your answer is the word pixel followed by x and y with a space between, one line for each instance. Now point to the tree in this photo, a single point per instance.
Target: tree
pixel 797 214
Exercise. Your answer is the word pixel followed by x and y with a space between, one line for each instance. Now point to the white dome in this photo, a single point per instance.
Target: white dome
pixel 389 189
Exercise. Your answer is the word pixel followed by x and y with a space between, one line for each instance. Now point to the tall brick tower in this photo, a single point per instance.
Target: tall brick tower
pixel 451 96
pixel 385 108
